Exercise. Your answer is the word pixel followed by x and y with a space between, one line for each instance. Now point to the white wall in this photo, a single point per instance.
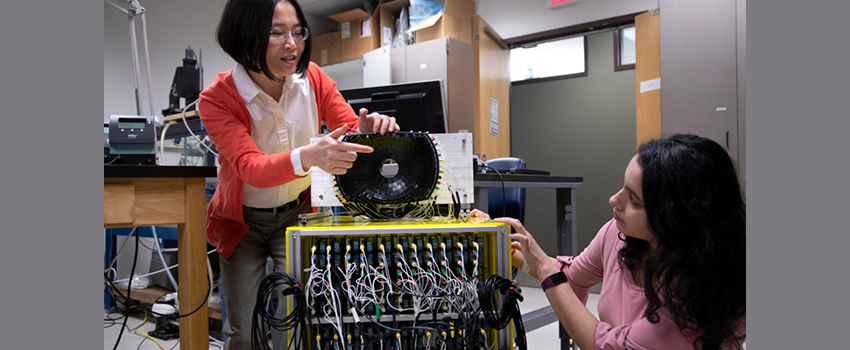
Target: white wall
pixel 172 26
pixel 512 18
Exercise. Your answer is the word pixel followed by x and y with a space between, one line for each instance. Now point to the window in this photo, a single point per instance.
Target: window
pixel 624 48
pixel 558 59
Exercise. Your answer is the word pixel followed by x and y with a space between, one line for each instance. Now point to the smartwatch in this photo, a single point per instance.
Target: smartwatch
pixel 555 278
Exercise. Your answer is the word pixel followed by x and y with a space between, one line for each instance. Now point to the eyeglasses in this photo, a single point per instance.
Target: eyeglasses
pixel 297 34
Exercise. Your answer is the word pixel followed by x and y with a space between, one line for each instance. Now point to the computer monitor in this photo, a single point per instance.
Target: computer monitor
pixel 416 106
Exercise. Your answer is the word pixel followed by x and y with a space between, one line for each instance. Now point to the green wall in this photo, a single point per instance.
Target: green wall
pixel 576 127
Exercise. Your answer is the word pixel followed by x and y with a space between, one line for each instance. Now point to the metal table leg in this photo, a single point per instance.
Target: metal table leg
pixel 567 242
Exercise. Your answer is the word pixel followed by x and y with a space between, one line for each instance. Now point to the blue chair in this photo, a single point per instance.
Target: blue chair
pixel 513 202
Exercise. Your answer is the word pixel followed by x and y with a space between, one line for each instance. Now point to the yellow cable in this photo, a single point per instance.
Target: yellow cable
pixel 137 331
pixel 143 321
pixel 151 338
pixel 210 276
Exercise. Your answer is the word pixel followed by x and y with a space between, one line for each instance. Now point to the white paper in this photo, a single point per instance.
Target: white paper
pixel 324 57
pixel 346 30
pixel 494 116
pixel 366 27
pixel 388 35
pixel 650 85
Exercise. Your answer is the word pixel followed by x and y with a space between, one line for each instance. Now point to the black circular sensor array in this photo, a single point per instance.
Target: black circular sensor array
pixel 418 169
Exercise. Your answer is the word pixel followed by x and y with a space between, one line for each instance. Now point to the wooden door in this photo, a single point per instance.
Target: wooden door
pixel 648 75
pixel 492 125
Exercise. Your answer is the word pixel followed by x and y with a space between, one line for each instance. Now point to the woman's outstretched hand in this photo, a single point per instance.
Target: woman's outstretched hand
pixel 534 256
pixel 477 216
pixel 376 122
pixel 332 155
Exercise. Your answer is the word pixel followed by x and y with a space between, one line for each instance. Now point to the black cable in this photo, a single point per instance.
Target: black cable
pixel 111 320
pixel 503 187
pixel 514 270
pixel 138 304
pixel 141 342
pixel 107 318
pixel 127 299
pixel 148 248
pixel 509 309
pixel 129 289
pixel 263 318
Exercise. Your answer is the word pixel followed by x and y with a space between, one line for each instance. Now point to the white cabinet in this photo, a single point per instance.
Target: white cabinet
pixel 446 59
pixel 701 66
pixel 376 67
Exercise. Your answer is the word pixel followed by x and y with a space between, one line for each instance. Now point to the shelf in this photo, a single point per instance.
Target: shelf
pixel 150 295
pixel 179 116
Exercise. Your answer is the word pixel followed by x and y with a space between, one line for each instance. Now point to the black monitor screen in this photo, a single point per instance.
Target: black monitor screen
pixel 416 106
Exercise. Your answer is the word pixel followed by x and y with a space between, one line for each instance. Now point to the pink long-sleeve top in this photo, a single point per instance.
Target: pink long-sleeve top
pixel 622 304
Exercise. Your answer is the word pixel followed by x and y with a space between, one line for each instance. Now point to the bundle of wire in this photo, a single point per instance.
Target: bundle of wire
pixel 131 303
pixel 510 306
pixel 410 193
pixel 431 286
pixel 263 316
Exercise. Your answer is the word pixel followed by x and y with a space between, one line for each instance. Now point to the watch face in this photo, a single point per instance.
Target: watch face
pixel 559 277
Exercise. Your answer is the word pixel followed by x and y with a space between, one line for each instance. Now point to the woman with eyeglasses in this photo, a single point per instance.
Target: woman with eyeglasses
pixel 671 261
pixel 261 115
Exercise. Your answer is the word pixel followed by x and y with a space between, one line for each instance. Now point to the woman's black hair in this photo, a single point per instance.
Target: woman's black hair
pixel 243 33
pixel 696 208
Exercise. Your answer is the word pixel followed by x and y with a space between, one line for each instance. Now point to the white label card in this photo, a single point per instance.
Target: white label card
pixel 346 30
pixel 494 116
pixel 650 85
pixel 388 35
pixel 365 28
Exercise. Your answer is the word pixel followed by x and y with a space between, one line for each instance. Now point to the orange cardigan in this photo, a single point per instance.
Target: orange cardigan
pixel 228 122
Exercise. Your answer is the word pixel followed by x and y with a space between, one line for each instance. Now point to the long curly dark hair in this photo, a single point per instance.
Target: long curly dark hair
pixel 695 206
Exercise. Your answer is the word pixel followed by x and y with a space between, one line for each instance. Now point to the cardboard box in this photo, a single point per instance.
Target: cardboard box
pixel 359 32
pixel 390 11
pixel 454 22
pixel 326 49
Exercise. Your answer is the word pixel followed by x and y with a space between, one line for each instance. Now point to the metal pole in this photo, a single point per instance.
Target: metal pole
pixel 135 62
pixel 148 63
pixel 200 71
